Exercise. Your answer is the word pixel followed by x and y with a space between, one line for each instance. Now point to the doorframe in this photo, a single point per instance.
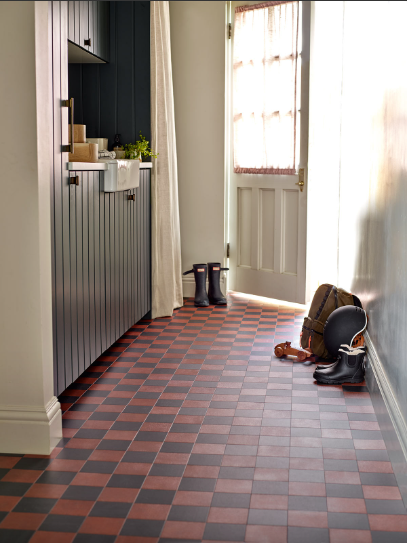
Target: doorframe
pixel 230 280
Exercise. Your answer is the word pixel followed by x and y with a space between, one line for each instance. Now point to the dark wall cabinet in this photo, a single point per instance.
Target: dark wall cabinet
pixel 100 241
pixel 88 26
pixel 102 269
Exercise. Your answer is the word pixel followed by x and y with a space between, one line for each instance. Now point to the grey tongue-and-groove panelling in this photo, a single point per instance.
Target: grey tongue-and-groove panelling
pixel 101 244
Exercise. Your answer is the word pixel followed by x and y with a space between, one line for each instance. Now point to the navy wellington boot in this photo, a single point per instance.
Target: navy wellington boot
pixel 200 271
pixel 215 294
pixel 349 368
pixel 347 349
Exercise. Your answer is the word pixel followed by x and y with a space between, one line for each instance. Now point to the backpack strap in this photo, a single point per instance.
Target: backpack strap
pixel 356 301
pixel 321 307
pixel 335 291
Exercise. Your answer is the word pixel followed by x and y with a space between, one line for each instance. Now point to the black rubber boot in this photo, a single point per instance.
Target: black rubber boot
pixel 345 348
pixel 200 272
pixel 342 352
pixel 349 368
pixel 215 294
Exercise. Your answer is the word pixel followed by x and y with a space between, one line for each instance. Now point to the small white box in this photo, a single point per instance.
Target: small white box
pixel 102 142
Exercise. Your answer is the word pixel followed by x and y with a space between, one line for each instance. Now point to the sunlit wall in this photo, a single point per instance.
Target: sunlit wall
pixel 357 176
pixel 324 143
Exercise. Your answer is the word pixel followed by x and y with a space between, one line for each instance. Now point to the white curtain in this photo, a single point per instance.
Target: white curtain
pixel 165 228
pixel 265 87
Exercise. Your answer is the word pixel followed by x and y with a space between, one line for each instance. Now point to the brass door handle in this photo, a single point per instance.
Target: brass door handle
pixel 69 148
pixel 301 177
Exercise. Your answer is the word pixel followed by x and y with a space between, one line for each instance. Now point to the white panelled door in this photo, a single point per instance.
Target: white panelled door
pixel 268 212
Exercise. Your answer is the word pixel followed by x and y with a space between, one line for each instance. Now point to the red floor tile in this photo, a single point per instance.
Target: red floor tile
pixel 381 492
pixel 52 537
pixel 266 534
pixel 149 511
pixel 21 476
pixel 101 525
pixel 124 495
pixel 183 530
pixel 346 505
pixel 388 523
pixel 184 497
pixel 308 519
pixel 261 501
pixel 350 536
pixel 22 521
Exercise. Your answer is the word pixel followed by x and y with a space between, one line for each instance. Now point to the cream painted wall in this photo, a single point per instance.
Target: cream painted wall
pixel 198 61
pixel 359 95
pixel 30 417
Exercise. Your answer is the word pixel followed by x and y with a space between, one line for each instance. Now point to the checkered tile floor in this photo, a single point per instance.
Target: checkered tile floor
pixel 189 429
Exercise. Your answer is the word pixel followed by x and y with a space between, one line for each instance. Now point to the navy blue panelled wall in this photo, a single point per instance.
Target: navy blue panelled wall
pixel 115 97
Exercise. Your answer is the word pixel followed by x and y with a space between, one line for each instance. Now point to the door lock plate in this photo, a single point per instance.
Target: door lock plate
pixel 301 177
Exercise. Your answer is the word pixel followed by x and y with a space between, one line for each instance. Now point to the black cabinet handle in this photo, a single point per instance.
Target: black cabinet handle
pixel 69 148
pixel 88 42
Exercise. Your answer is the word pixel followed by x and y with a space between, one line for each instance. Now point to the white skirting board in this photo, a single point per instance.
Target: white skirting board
pixel 188 285
pixel 391 420
pixel 30 430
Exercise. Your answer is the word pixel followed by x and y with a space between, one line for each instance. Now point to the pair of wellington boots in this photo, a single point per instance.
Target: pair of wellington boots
pixel 348 368
pixel 214 295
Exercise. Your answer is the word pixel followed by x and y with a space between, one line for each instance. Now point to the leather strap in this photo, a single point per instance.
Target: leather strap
pixel 336 296
pixel 321 307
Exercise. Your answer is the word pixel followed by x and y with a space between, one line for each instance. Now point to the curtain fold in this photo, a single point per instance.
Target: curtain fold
pixel 265 88
pixel 165 227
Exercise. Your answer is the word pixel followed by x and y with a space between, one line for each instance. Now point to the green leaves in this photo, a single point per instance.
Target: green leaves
pixel 140 148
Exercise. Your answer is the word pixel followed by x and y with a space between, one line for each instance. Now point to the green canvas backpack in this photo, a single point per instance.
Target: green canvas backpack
pixel 327 298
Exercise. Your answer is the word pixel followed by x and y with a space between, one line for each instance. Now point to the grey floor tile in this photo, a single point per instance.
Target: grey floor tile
pixel 142 528
pixel 378 479
pixel 226 499
pixel 385 507
pixel 340 465
pixel 307 475
pixel 186 513
pixel 267 517
pixel 225 532
pixel 307 535
pixel 236 473
pixel 270 487
pixel 197 484
pixel 62 523
pixel 348 521
pixel 343 491
pixel 15 536
pixel 388 537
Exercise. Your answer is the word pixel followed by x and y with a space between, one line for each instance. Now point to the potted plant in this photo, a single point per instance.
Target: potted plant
pixel 139 149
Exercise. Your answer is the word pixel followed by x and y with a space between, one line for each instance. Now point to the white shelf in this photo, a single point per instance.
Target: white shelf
pixel 98 166
pixel 87 166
